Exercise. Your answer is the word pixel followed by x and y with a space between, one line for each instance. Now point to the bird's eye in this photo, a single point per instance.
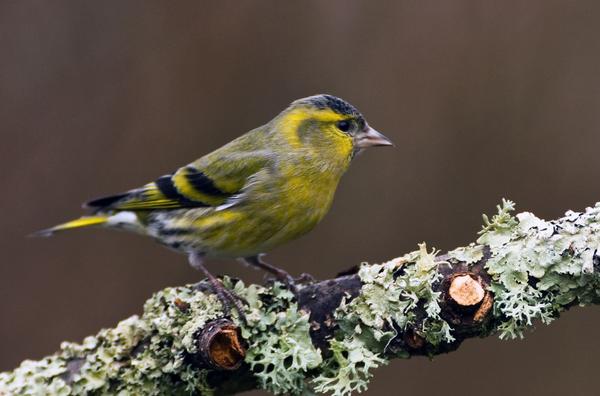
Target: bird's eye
pixel 344 126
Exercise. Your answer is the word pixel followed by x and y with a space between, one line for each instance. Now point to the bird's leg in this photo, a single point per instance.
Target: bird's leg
pixel 279 274
pixel 225 296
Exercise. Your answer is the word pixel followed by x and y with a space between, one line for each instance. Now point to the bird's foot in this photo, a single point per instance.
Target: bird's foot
pixel 285 278
pixel 226 296
pixel 229 299
pixel 278 273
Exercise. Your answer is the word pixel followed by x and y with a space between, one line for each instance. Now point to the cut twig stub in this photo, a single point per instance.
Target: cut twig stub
pixel 466 301
pixel 466 291
pixel 221 346
pixel 484 308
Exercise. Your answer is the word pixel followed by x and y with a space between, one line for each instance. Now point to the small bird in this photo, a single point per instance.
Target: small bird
pixel 267 187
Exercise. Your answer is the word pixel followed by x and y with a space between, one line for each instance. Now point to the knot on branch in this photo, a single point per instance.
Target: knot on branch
pixel 220 345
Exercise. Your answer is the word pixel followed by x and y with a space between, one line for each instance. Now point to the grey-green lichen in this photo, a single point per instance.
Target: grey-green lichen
pixel 281 352
pixel 147 355
pixel 538 269
pixel 141 355
pixel 391 295
pixel 469 254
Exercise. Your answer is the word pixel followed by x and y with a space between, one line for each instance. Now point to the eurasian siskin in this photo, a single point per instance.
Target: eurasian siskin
pixel 269 186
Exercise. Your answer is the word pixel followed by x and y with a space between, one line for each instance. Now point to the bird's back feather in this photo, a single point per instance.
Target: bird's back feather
pixel 208 182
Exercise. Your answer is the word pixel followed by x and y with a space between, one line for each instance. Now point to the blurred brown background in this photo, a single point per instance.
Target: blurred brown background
pixel 484 100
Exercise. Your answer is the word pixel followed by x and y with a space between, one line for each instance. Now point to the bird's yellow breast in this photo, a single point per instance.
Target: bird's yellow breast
pixel 259 225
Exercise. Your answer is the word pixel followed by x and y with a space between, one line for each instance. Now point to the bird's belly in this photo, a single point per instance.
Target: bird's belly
pixel 258 233
pixel 240 231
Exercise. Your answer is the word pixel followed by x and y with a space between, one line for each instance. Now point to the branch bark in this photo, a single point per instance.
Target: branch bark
pixel 522 269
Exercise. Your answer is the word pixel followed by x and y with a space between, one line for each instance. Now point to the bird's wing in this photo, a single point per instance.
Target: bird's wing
pixel 210 181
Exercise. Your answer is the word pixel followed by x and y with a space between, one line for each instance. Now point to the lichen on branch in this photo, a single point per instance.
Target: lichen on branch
pixel 330 337
pixel 541 267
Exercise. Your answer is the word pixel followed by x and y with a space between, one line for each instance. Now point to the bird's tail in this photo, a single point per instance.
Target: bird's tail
pixel 86 221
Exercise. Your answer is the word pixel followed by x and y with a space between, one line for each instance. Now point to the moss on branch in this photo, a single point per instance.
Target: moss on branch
pixel 521 269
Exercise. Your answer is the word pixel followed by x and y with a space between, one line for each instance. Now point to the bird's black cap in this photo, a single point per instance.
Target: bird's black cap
pixel 334 103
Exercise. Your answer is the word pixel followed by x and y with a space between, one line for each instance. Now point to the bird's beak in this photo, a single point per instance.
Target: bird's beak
pixel 369 137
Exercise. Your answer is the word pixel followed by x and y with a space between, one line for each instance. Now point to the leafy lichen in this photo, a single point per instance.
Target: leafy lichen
pixel 468 254
pixel 540 267
pixel 348 370
pixel 129 358
pixel 281 351
pixel 148 355
pixel 391 295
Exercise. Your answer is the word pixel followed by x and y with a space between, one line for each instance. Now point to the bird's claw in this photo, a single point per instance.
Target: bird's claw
pixel 279 274
pixel 229 299
pixel 287 280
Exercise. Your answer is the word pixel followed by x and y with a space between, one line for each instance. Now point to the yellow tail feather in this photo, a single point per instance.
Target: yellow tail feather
pixel 85 221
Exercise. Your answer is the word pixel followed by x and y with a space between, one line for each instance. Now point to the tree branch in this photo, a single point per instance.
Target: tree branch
pixel 328 339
